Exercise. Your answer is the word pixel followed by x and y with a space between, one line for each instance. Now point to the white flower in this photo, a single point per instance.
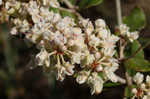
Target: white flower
pixel 14 31
pixel 109 41
pixel 99 68
pixel 102 33
pixel 24 26
pixel 96 83
pixel 108 52
pixel 145 97
pixel 82 77
pixel 124 29
pixel 12 5
pixel 100 23
pixel 94 41
pixel 138 78
pixel 97 55
pixel 132 36
pixel 78 44
pixel 60 72
pixel 76 31
pixel 33 8
pixel 134 90
pixel 69 68
pixel 59 38
pixel 87 59
pixel 56 18
pixel 109 72
pixel 89 28
pixel 143 86
pixel 75 58
pixel 43 58
pixel 46 14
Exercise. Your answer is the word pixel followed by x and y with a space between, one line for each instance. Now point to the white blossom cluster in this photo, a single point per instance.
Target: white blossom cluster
pixel 125 31
pixel 84 50
pixel 142 91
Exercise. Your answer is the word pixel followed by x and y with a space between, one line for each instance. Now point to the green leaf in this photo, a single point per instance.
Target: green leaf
pixel 136 20
pixel 135 46
pixel 138 64
pixel 137 61
pixel 132 50
pixel 89 3
pixel 131 72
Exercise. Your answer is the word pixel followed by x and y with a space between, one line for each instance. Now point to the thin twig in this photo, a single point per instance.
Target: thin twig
pixel 129 79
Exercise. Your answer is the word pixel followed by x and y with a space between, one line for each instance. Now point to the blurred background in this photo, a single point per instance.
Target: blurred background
pixel 21 79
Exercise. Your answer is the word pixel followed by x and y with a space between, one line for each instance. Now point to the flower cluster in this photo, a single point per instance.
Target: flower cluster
pixel 124 30
pixel 82 49
pixel 142 91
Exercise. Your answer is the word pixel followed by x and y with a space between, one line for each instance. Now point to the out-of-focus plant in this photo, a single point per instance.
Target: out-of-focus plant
pixel 71 45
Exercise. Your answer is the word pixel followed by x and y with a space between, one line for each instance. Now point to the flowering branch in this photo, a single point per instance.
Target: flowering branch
pixel 89 44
